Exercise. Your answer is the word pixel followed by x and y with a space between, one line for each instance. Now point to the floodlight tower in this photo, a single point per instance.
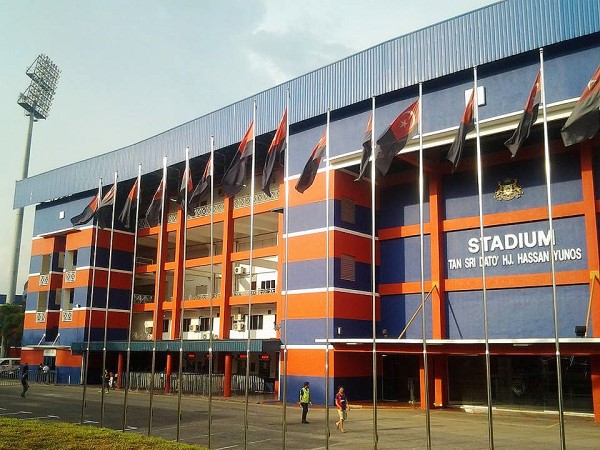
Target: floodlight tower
pixel 36 101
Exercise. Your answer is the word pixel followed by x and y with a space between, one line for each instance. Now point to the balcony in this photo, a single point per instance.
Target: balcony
pixel 40 317
pixel 44 279
pixel 243 201
pixel 203 296
pixel 70 276
pixel 142 298
pixel 254 292
pixel 206 210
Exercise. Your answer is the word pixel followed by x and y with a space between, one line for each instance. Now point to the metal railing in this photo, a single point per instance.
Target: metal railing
pixel 206 210
pixel 142 298
pixel 70 276
pixel 254 292
pixel 203 296
pixel 243 201
pixel 194 383
pixel 44 279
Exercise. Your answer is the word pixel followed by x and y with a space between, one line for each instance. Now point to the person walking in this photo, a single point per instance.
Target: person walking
pixel 305 400
pixel 342 406
pixel 24 379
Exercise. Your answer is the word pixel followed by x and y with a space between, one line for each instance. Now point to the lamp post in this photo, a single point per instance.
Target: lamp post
pixel 36 101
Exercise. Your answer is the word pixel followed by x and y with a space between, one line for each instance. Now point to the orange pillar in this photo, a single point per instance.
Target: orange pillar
pixel 120 370
pixel 169 372
pixel 178 293
pixel 422 380
pixel 226 279
pixel 438 303
pixel 227 376
pixel 591 229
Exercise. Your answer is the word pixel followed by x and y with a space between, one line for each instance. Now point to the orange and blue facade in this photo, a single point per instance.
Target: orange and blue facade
pixel 331 299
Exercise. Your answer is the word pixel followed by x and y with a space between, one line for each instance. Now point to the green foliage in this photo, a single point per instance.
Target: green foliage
pixel 11 324
pixel 16 434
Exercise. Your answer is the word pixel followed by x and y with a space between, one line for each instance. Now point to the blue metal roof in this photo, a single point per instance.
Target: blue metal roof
pixel 488 34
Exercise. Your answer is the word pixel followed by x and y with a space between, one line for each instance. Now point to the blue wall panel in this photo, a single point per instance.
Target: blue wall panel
pixel 32 337
pixel 460 189
pixel 400 259
pixel 516 313
pixel 570 249
pixel 399 205
pixel 68 375
pixel 396 311
pixel 35 264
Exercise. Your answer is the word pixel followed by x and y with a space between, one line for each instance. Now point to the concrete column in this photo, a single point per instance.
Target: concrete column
pixel 227 376
pixel 169 371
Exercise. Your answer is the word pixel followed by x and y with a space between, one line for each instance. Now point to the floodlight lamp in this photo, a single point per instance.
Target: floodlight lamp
pixel 37 98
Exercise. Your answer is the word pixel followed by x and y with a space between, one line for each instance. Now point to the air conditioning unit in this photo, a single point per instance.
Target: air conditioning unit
pixel 148 330
pixel 194 327
pixel 239 270
pixel 238 318
pixel 205 335
pixel 239 326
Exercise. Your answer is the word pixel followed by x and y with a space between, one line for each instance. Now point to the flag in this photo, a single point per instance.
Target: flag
pixel 528 118
pixel 196 197
pixel 277 147
pixel 234 178
pixel 396 136
pixel 130 204
pixel 154 210
pixel 310 169
pixel 86 215
pixel 104 211
pixel 584 121
pixel 467 124
pixel 186 179
pixel 367 148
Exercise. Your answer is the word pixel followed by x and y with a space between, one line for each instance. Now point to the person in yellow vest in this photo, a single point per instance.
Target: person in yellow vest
pixel 305 400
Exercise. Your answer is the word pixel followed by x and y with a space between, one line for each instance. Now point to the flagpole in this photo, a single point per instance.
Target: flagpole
pixel 483 277
pixel 157 323
pixel 110 249
pixel 422 250
pixel 89 327
pixel 285 300
pixel 247 384
pixel 373 293
pixel 131 297
pixel 185 213
pixel 211 288
pixel 561 416
pixel 327 431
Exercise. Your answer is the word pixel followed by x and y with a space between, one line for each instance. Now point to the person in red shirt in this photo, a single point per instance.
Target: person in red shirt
pixel 341 403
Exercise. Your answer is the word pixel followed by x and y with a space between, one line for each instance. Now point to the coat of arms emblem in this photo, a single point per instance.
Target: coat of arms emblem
pixel 508 190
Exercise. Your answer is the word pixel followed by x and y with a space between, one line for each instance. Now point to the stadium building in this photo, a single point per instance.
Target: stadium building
pixel 321 240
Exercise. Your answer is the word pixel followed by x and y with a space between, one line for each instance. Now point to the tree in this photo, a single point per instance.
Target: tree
pixel 11 325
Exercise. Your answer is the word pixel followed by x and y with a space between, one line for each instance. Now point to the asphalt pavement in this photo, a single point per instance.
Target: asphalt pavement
pixel 398 427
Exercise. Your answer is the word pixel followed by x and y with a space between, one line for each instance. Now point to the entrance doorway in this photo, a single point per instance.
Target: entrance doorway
pixel 400 378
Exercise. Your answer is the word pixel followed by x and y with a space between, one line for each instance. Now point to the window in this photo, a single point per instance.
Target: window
pixel 348 268
pixel 166 325
pixel 256 322
pixel 204 323
pixel 348 210
pixel 267 285
pixel 60 262
pixel 186 324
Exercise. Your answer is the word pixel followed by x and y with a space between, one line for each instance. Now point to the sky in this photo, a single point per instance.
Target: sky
pixel 133 69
